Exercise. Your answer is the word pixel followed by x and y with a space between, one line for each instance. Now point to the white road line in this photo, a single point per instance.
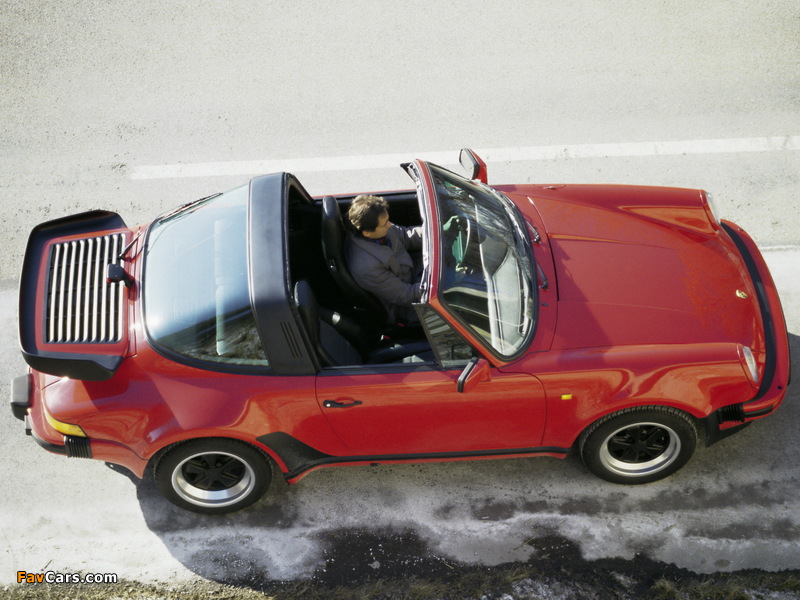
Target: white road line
pixel 384 161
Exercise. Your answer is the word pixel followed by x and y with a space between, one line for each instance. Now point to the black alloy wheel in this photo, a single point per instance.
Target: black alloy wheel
pixel 639 445
pixel 213 475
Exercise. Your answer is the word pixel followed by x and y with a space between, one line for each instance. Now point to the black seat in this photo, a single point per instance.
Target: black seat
pixel 332 347
pixel 339 341
pixel 333 249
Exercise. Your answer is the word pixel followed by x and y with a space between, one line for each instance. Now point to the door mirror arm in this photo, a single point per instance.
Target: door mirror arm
pixel 473 164
pixel 476 371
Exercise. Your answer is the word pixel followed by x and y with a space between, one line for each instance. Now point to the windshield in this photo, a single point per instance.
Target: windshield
pixel 486 279
pixel 196 296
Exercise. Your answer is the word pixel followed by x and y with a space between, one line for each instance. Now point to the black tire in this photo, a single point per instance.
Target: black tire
pixel 213 475
pixel 639 445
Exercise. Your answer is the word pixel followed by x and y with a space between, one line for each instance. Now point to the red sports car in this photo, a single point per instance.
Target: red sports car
pixel 227 338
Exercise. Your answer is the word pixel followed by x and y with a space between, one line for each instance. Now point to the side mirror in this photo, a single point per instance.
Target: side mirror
pixel 473 165
pixel 476 371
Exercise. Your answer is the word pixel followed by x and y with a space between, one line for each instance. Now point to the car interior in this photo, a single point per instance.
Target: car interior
pixel 346 324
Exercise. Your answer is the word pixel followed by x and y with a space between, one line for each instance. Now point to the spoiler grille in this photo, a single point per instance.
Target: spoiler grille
pixel 82 307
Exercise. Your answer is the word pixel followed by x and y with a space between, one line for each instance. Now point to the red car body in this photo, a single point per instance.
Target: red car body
pixel 641 323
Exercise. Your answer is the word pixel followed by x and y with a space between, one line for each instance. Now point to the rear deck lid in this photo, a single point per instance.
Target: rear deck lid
pixel 72 320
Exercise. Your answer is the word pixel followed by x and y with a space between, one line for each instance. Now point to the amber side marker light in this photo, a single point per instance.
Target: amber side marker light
pixel 65 428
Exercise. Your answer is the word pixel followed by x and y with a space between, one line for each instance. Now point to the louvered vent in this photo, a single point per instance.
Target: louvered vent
pixel 82 307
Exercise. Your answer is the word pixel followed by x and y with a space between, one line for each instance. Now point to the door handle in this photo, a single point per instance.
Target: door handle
pixel 337 404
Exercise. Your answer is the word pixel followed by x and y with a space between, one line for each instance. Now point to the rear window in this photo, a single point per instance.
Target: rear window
pixel 196 295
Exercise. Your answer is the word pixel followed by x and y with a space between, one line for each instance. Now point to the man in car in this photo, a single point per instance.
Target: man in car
pixel 378 256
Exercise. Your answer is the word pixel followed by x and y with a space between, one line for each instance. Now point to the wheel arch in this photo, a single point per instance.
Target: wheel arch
pixel 697 420
pixel 269 455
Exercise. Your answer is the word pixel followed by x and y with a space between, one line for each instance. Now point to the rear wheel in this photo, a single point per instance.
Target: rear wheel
pixel 213 475
pixel 639 445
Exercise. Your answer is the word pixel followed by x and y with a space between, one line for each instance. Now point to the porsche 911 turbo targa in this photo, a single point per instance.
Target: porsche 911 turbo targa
pixel 227 340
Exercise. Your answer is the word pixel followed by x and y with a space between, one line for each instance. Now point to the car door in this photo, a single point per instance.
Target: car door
pixel 456 403
pixel 394 410
pixel 476 309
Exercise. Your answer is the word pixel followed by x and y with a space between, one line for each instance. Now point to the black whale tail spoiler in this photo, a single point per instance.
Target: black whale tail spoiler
pixel 72 318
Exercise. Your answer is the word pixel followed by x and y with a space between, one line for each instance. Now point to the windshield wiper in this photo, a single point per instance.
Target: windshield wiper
pixel 127 248
pixel 176 211
pixel 537 238
pixel 544 284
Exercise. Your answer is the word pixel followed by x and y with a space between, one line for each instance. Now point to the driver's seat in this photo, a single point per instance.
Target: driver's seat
pixel 338 341
pixel 333 249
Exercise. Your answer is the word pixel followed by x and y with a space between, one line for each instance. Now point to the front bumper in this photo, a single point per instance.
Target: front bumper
pixel 777 369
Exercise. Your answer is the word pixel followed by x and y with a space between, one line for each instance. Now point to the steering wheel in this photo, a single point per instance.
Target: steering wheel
pixel 462 239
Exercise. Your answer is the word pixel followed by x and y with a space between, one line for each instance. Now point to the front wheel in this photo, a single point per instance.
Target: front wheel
pixel 639 445
pixel 213 475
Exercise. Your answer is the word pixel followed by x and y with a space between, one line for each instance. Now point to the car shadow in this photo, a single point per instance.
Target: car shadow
pixel 354 524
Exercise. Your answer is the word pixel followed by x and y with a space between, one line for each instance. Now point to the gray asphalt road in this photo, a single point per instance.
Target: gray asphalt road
pixel 106 105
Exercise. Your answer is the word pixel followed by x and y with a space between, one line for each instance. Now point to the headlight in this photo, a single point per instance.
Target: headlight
pixel 750 362
pixel 711 209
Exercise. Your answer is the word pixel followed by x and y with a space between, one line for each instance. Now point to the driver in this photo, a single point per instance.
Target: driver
pixel 378 256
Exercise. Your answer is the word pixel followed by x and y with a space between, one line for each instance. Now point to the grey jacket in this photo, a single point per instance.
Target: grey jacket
pixel 387 271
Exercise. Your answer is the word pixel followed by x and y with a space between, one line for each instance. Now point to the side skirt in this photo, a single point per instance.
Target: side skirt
pixel 301 458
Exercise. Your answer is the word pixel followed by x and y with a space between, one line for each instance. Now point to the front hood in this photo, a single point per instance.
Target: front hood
pixel 612 292
pixel 625 278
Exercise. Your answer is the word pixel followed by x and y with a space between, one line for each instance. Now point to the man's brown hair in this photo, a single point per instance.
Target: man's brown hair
pixel 365 212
